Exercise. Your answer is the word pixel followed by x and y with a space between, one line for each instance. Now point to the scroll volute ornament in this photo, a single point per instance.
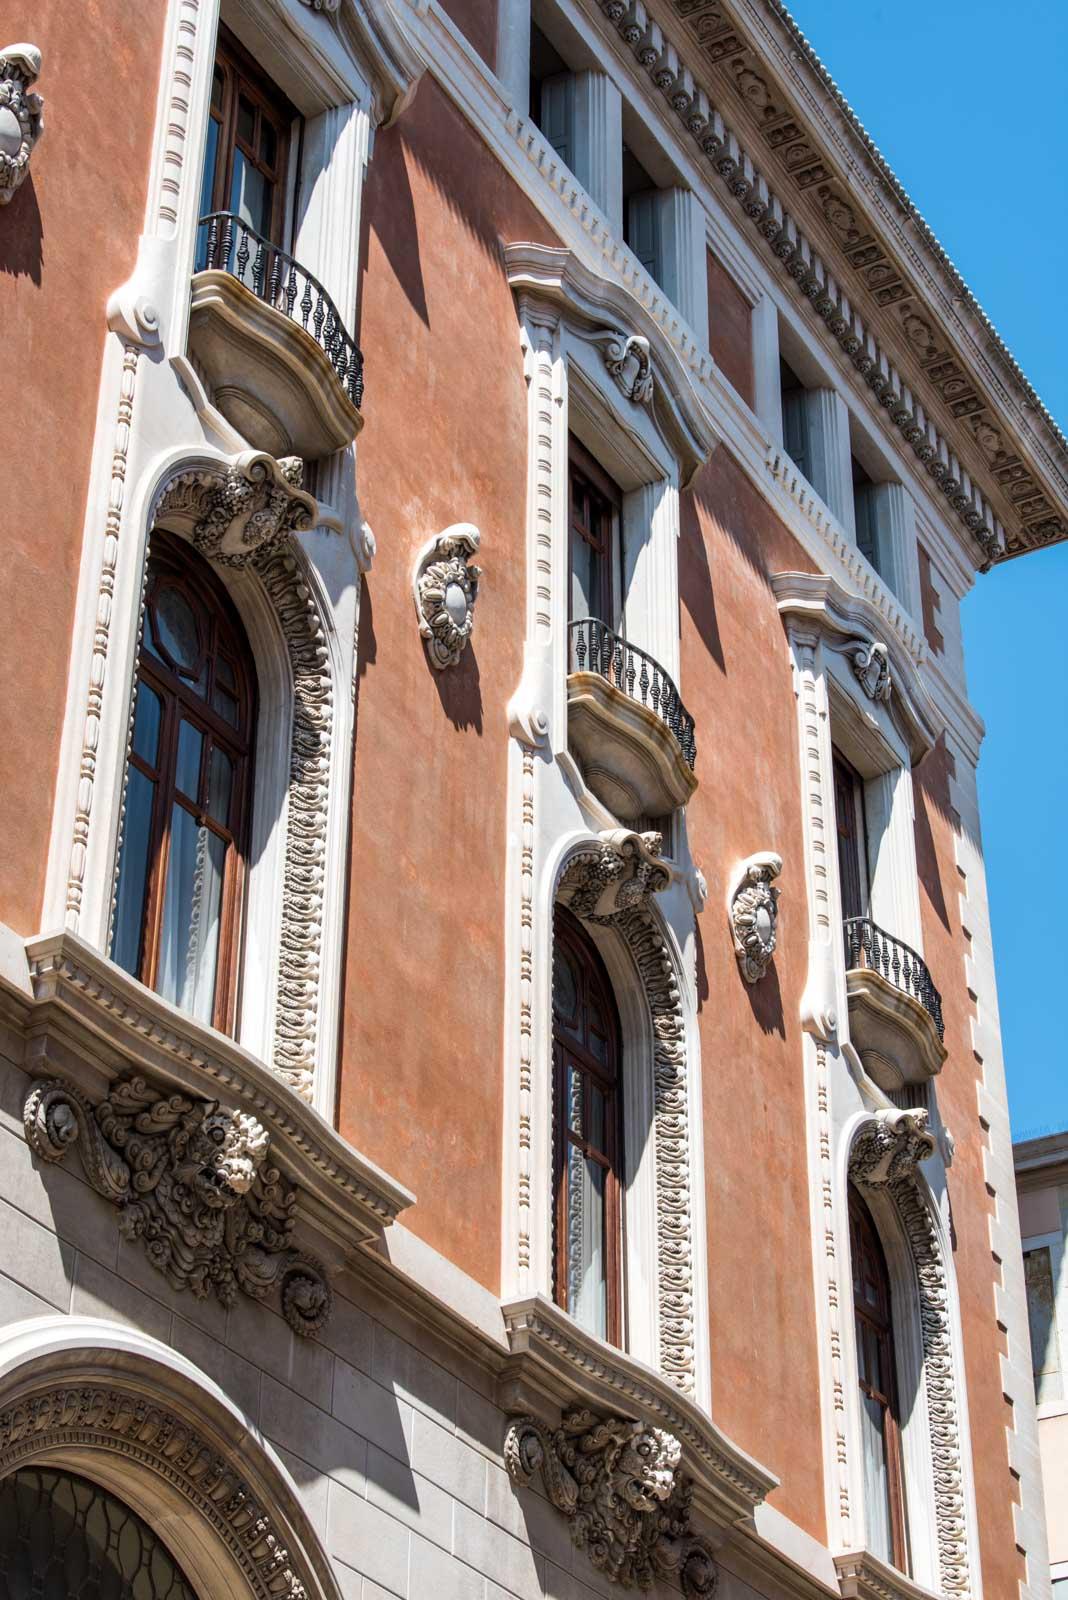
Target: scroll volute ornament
pixel 21 114
pixel 753 912
pixel 191 1180
pixel 619 1485
pixel 445 587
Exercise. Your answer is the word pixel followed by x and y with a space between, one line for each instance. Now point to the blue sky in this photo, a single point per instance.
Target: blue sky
pixel 968 110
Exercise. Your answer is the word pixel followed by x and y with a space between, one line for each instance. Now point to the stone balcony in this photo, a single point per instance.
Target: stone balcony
pixel 270 344
pixel 895 1011
pixel 627 727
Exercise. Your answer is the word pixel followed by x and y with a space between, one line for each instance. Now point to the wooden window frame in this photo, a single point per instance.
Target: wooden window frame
pixel 864 1238
pixel 568 933
pixel 607 541
pixel 193 577
pixel 242 74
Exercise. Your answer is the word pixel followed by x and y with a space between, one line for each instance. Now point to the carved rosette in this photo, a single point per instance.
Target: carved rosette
pixel 627 1503
pixel 21 114
pixel 890 1147
pixel 446 588
pixel 628 360
pixel 753 912
pixel 191 1181
pixel 615 875
pixel 243 511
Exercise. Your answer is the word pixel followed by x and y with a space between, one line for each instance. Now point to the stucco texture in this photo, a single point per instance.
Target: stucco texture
pixel 445 441
pixel 67 239
pixel 736 682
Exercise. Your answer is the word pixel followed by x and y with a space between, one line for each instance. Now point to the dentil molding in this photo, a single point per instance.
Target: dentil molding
pixel 236 512
pixel 21 114
pixel 191 1180
pixel 445 586
pixel 753 912
pixel 620 1487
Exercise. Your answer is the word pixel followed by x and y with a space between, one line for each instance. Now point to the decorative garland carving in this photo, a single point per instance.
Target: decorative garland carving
pixel 245 511
pixel 297 1001
pixel 627 358
pixel 191 1180
pixel 446 588
pixel 885 1155
pixel 631 916
pixel 753 910
pixel 150 1434
pixel 627 1503
pixel 21 114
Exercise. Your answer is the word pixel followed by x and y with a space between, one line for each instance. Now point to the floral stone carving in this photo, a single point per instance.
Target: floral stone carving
pixel 446 588
pixel 617 874
pixel 627 1503
pixel 246 510
pixel 21 114
pixel 753 910
pixel 627 358
pixel 191 1180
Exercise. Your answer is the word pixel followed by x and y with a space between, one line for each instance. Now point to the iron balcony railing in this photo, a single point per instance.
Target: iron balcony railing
pixel 227 244
pixel 867 945
pixel 595 648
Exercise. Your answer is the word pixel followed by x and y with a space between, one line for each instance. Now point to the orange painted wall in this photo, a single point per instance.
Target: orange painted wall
pixel 445 441
pixel 730 328
pixel 736 682
pixel 944 945
pixel 67 239
pixel 477 21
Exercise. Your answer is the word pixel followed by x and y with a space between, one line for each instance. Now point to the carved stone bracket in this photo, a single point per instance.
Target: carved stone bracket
pixel 753 912
pixel 628 360
pixel 191 1180
pixel 890 1147
pixel 626 1501
pixel 617 874
pixel 244 510
pixel 871 664
pixel 21 114
pixel 445 586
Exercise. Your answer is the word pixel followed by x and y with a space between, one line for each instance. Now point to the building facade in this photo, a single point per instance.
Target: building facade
pixel 1042 1187
pixel 502 1081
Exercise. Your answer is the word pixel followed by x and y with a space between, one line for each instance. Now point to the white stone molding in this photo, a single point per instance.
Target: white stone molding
pixel 598 156
pixel 245 514
pixel 619 1485
pixel 627 358
pixel 190 1180
pixel 512 59
pixel 884 1155
pixel 445 588
pixel 827 430
pixel 110 1403
pixel 862 1576
pixel 21 114
pixel 753 912
pixel 684 233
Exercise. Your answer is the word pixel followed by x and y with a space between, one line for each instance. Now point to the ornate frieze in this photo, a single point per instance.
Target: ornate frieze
pixel 21 114
pixel 620 1486
pixel 753 910
pixel 446 588
pixel 245 510
pixel 889 1147
pixel 628 360
pixel 616 874
pixel 191 1179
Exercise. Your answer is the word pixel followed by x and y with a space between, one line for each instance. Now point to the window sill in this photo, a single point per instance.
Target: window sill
pixel 555 1364
pixel 862 1576
pixel 84 1005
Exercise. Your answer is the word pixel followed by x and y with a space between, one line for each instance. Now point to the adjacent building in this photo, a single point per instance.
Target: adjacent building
pixel 1042 1185
pixel 502 1088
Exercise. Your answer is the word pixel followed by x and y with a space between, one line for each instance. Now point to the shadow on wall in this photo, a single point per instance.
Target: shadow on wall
pixel 397 232
pixel 765 997
pixel 22 236
pixel 931 789
pixel 460 692
pixel 695 580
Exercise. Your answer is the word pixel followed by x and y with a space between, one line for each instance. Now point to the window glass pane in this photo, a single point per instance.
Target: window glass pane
pixel 218 83
pixel 187 771
pixel 585 580
pixel 595 1110
pixel 251 195
pixel 220 783
pixel 146 724
pixel 225 705
pixel 175 627
pixel 876 1479
pixel 189 937
pixel 246 121
pixel 268 144
pixel 587 1295
pixel 565 990
pixel 133 869
pixel 1042 1316
pixel 207 184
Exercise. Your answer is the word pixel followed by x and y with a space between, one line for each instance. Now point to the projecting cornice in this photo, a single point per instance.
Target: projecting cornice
pixel 770 124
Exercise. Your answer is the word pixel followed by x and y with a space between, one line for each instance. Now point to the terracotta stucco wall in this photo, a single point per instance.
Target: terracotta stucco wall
pixel 445 441
pixel 67 239
pixel 736 682
pixel 944 946
pixel 477 21
pixel 730 328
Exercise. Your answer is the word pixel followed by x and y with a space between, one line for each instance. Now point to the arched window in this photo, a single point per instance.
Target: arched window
pixel 188 791
pixel 884 1487
pixel 587 1134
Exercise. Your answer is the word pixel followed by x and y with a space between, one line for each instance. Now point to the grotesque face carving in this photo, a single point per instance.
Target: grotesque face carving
pixel 223 1152
pixel 646 1468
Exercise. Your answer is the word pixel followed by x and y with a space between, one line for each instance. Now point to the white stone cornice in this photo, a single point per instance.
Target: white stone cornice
pixel 377 31
pixel 853 625
pixel 597 306
pixel 862 1576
